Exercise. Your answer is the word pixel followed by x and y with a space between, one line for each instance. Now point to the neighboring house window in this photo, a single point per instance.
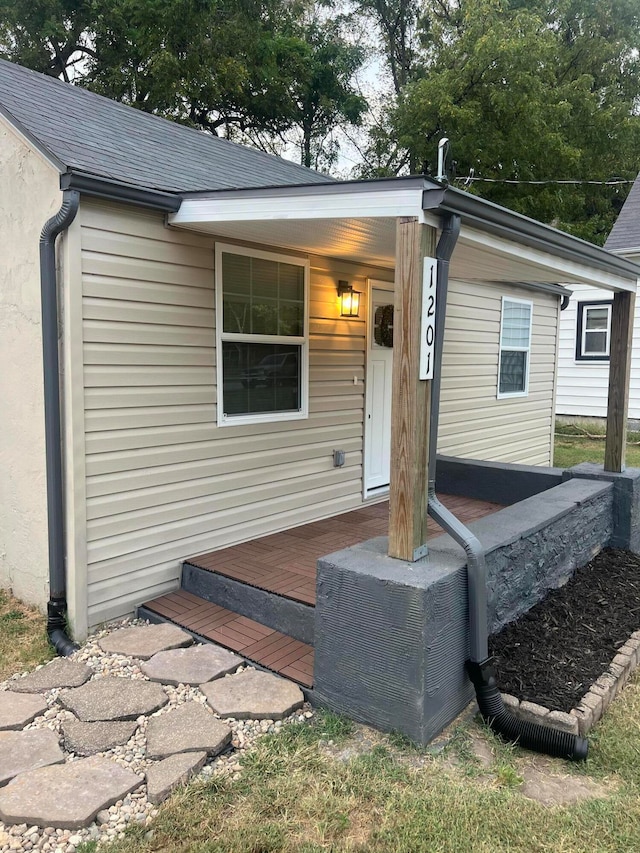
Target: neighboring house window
pixel 515 347
pixel 594 331
pixel 262 337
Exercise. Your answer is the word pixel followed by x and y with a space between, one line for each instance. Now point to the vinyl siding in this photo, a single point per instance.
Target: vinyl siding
pixel 473 422
pixel 583 386
pixel 164 482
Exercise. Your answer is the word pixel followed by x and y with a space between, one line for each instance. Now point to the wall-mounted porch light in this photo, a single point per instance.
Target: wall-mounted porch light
pixel 349 300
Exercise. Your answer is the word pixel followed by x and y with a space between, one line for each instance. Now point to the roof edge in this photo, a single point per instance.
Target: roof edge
pixel 631 250
pixel 438 197
pixel 507 223
pixel 418 182
pixel 91 185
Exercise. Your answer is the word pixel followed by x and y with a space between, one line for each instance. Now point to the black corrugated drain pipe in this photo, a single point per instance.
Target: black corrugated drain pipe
pixel 57 605
pixel 480 667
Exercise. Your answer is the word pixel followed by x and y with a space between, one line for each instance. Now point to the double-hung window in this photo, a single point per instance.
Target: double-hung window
pixel 262 335
pixel 593 336
pixel 515 347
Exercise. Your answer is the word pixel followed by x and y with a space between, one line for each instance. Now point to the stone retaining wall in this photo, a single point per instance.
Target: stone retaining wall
pixel 537 544
pixel 626 517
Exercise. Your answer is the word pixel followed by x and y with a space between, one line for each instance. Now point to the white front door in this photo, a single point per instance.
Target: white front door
pixel 377 447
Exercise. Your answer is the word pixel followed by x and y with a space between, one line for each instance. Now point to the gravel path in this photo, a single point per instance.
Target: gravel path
pixel 134 808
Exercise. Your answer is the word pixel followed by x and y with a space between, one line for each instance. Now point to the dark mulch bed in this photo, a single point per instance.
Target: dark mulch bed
pixel 553 654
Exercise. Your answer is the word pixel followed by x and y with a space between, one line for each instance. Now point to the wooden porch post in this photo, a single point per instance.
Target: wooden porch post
pixel 619 376
pixel 411 397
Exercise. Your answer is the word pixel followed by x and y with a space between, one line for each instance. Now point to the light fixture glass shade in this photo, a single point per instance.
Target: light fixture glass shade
pixel 349 300
pixel 350 304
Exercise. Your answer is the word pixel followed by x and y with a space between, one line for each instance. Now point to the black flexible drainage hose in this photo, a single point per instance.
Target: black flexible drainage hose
pixel 529 735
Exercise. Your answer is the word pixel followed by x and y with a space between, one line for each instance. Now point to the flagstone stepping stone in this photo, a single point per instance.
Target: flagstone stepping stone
pixel 89 738
pixel 190 728
pixel 113 698
pixel 164 777
pixel 67 796
pixel 145 641
pixel 195 665
pixel 16 710
pixel 22 751
pixel 253 695
pixel 61 672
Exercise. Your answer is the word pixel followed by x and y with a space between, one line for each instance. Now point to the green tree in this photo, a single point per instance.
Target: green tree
pixel 50 36
pixel 250 69
pixel 210 63
pixel 322 96
pixel 525 91
pixel 397 24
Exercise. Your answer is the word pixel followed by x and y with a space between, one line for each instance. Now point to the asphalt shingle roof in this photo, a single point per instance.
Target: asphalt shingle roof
pixel 625 233
pixel 92 134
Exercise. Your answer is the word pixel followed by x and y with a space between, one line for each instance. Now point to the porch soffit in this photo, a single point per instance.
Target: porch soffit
pixel 361 228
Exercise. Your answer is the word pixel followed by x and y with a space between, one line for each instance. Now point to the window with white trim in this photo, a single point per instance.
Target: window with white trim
pixel 593 337
pixel 515 347
pixel 262 335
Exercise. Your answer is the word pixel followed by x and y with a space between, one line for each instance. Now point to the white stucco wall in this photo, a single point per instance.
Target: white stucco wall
pixel 29 194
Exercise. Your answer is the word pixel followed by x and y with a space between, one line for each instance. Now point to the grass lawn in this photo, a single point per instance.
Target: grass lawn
pixel 23 638
pixel 332 786
pixel 573 446
pixel 307 790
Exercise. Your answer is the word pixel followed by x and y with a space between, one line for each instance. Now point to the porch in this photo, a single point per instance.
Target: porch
pixel 279 566
pixel 383 629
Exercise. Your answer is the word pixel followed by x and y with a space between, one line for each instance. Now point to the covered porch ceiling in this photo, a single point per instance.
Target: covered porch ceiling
pixel 356 221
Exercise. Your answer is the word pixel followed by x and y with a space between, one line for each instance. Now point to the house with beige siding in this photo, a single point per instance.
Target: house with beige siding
pixel 208 381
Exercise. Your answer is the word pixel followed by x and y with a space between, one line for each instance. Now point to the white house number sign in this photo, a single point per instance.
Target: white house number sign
pixel 428 325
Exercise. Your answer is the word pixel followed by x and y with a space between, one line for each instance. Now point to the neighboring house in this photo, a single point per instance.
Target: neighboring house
pixel 208 375
pixel 585 331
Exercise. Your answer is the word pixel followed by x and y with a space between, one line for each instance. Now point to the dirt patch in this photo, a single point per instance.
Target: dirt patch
pixel 544 786
pixel 481 749
pixel 363 741
pixel 466 751
pixel 552 654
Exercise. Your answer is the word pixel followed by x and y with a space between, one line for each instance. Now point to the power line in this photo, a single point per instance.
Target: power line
pixel 614 183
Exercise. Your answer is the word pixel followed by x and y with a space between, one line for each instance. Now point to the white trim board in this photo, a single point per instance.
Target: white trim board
pixel 350 204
